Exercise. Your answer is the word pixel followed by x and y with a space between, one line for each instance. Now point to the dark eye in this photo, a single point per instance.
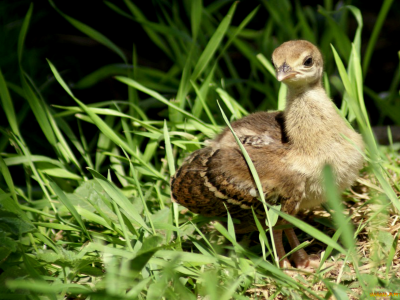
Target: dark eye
pixel 308 62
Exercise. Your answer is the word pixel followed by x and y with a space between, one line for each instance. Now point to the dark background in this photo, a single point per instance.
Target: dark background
pixel 76 55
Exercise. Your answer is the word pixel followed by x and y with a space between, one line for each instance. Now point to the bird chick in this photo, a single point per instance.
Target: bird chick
pixel 289 150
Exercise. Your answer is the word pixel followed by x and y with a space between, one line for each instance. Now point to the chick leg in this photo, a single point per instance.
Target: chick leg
pixel 279 249
pixel 300 257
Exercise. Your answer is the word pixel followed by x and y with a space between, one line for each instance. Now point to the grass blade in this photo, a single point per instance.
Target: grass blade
pixel 196 12
pixel 257 181
pixel 120 199
pixel 64 199
pixel 8 106
pixel 103 127
pixel 339 217
pixel 157 96
pixel 375 33
pixel 213 44
pixel 153 35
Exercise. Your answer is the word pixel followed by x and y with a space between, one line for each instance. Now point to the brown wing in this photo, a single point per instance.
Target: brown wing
pixel 189 189
pixel 217 178
pixel 203 185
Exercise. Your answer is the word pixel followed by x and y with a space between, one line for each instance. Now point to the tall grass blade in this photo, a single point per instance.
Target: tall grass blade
pixel 120 199
pixel 184 85
pixel 103 127
pixel 168 150
pixel 37 177
pixel 39 110
pixel 263 237
pixel 375 33
pixel 151 33
pixel 7 105
pixel 64 199
pixel 23 32
pixel 196 11
pixel 8 179
pixel 34 102
pixel 118 10
pixel 239 29
pixel 282 97
pixel 342 41
pixel 213 44
pixel 257 182
pixel 200 101
pixel 357 37
pixel 353 90
pixel 317 234
pixel 139 189
pixel 339 217
pixel 231 228
pixel 201 96
pixel 157 96
pixel 266 63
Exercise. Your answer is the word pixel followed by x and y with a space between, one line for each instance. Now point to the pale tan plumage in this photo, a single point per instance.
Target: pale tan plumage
pixel 289 150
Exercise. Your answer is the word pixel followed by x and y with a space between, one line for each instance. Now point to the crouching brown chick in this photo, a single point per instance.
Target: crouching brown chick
pixel 289 150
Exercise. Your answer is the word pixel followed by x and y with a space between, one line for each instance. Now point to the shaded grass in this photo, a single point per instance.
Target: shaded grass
pixel 103 225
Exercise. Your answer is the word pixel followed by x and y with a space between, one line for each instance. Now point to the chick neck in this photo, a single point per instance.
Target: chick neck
pixel 311 120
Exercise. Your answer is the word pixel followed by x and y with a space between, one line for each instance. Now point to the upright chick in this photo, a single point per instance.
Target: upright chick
pixel 289 150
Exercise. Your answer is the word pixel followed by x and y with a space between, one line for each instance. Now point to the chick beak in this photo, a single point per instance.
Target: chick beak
pixel 285 72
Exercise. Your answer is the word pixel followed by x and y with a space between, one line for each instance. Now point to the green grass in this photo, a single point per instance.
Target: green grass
pixel 95 220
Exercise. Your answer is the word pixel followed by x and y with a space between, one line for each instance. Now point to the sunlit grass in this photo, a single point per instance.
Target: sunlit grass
pixel 96 219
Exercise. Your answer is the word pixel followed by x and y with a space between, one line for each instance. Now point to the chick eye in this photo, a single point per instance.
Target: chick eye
pixel 308 62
